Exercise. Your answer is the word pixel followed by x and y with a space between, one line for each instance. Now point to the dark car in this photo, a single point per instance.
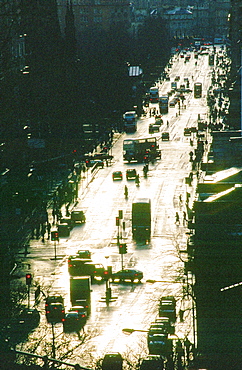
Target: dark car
pixel 127 274
pixel 167 307
pixel 187 131
pixel 84 254
pixel 117 175
pixel 165 136
pixel 55 313
pixel 84 303
pixel 84 267
pixel 157 328
pixel 29 318
pixel 154 128
pixel 81 310
pixel 167 323
pixel 78 216
pixel 72 322
pixel 157 344
pixel 152 362
pixel 131 174
pixel 112 361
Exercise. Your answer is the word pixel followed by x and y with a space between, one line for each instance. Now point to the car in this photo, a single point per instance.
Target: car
pixel 117 175
pixel 29 318
pixel 166 321
pixel 112 361
pixel 53 299
pixel 72 322
pixel 55 313
pixel 172 103
pixel 81 312
pixel 131 174
pixel 98 163
pixel 167 307
pixel 154 128
pixel 177 78
pixel 86 254
pixel 165 136
pixel 157 345
pixel 78 216
pixel 158 120
pixel 187 131
pixel 157 327
pixel 127 274
pixel 152 362
pixel 86 304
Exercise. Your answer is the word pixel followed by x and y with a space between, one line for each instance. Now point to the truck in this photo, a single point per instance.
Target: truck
pixel 163 104
pixel 83 267
pixel 141 149
pixel 141 219
pixel 130 121
pixel 211 59
pixel 154 94
pixel 80 289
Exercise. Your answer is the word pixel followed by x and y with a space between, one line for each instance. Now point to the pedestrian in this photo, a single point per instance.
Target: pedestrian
pixel 43 229
pixel 184 217
pixel 53 215
pixel 48 229
pixel 177 218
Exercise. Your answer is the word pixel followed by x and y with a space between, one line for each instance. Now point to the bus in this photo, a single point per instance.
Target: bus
pixel 154 94
pixel 130 121
pixel 197 90
pixel 163 104
pixel 141 219
pixel 141 149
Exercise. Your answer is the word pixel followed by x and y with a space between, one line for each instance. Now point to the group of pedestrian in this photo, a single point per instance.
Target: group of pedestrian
pixel 40 225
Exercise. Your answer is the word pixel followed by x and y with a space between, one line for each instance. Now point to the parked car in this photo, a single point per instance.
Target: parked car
pixel 112 361
pixel 157 345
pixel 29 318
pixel 117 175
pixel 166 321
pixel 167 307
pixel 127 274
pixel 131 174
pixel 157 328
pixel 78 216
pixel 152 362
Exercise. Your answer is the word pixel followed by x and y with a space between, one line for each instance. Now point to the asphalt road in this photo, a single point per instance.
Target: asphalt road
pixel 162 260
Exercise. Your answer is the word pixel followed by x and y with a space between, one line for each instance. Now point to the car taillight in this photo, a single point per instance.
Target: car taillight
pixel 83 315
pixel 63 320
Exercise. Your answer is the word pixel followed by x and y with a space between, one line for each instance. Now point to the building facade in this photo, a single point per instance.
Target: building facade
pixel 95 14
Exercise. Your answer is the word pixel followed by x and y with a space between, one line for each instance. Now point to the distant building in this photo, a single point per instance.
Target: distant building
pixel 179 22
pixel 95 14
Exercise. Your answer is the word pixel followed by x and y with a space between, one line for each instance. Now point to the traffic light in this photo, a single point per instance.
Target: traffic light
pixel 28 279
pixel 117 221
pixel 54 235
pixel 108 273
pixel 120 214
pixel 122 248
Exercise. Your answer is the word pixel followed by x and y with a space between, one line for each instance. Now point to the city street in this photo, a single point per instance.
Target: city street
pixel 135 305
